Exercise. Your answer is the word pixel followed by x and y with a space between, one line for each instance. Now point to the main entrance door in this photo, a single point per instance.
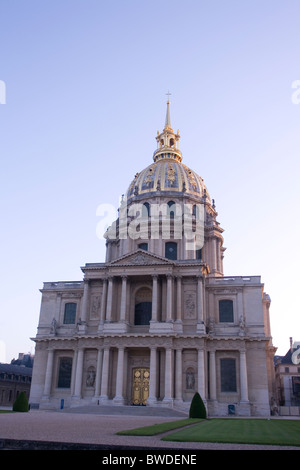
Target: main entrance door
pixel 140 385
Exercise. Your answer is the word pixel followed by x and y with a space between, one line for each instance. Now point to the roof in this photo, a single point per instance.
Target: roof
pixel 17 370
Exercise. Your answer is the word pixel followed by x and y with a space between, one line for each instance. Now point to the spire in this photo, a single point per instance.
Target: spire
pixel 167 140
pixel 168 118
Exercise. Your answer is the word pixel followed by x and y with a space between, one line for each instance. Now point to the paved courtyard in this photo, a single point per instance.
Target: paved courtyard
pixel 91 428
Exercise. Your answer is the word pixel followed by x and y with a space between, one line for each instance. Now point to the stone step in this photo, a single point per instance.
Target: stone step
pixel 127 410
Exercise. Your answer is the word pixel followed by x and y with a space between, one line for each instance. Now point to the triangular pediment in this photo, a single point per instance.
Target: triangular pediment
pixel 140 258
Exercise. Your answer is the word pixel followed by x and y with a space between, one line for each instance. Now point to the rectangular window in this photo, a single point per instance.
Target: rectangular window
pixel 228 375
pixel 296 386
pixel 225 311
pixel 171 250
pixel 70 313
pixel 64 372
pixel 143 246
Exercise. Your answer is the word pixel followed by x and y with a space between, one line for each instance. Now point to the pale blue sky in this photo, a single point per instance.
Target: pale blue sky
pixel 85 95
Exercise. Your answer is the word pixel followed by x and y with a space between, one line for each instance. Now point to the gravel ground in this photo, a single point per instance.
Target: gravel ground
pixel 98 429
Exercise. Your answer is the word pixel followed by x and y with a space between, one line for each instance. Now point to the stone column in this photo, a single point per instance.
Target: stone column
pixel 98 373
pixel 85 301
pixel 84 308
pixel 119 399
pixel 178 376
pixel 214 253
pixel 154 297
pixel 109 299
pixel 179 316
pixel 168 399
pixel 201 374
pixel 73 373
pixel 123 299
pixel 78 376
pixel 105 372
pixel 200 309
pixel 212 375
pixel 200 299
pixel 152 386
pixel 103 304
pixel 169 297
pixel 49 373
pixel 243 377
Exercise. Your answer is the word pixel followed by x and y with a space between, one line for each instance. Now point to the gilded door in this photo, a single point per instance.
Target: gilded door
pixel 140 385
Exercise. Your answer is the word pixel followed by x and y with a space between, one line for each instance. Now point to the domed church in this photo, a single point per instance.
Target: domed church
pixel 158 320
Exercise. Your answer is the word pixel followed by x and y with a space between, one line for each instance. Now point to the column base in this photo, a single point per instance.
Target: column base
pixel 119 401
pixel 178 402
pixel 161 327
pixel 168 401
pixel 81 327
pixel 118 327
pixel 178 326
pixel 75 401
pixel 201 328
pixel 103 400
pixel 152 401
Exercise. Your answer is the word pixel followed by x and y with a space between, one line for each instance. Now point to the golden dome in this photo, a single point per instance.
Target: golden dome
pixel 167 175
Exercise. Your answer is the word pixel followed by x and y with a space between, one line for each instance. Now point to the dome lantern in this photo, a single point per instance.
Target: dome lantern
pixel 167 141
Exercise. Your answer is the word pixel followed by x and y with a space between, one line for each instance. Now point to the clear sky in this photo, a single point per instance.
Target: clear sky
pixel 82 93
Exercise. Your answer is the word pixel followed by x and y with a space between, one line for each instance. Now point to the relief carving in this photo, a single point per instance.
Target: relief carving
pixel 95 306
pixel 190 304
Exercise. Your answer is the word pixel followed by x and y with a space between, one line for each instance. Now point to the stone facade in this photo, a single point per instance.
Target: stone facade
pixel 158 320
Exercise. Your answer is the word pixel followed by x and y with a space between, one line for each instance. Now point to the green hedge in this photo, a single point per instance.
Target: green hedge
pixel 21 403
pixel 197 408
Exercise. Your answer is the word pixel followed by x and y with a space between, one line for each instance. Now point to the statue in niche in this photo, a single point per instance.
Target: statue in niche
pixel 190 380
pixel 211 326
pixel 91 375
pixel 53 327
pixel 242 326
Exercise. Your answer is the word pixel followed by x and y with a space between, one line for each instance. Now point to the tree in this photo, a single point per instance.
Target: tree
pixel 21 403
pixel 197 408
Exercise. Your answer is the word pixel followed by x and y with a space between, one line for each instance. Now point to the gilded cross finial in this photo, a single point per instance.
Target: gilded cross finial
pixel 168 94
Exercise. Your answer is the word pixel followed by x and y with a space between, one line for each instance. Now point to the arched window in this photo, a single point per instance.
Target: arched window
pixel 70 313
pixel 171 209
pixel 171 250
pixel 225 311
pixel 143 306
pixel 146 209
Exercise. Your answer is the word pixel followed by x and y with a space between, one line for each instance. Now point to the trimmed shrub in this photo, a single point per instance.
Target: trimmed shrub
pixel 197 408
pixel 21 403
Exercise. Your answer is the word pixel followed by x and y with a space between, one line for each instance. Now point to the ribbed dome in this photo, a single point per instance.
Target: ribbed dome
pixel 167 175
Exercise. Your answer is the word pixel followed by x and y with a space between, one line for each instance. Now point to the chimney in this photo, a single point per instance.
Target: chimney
pixel 291 343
